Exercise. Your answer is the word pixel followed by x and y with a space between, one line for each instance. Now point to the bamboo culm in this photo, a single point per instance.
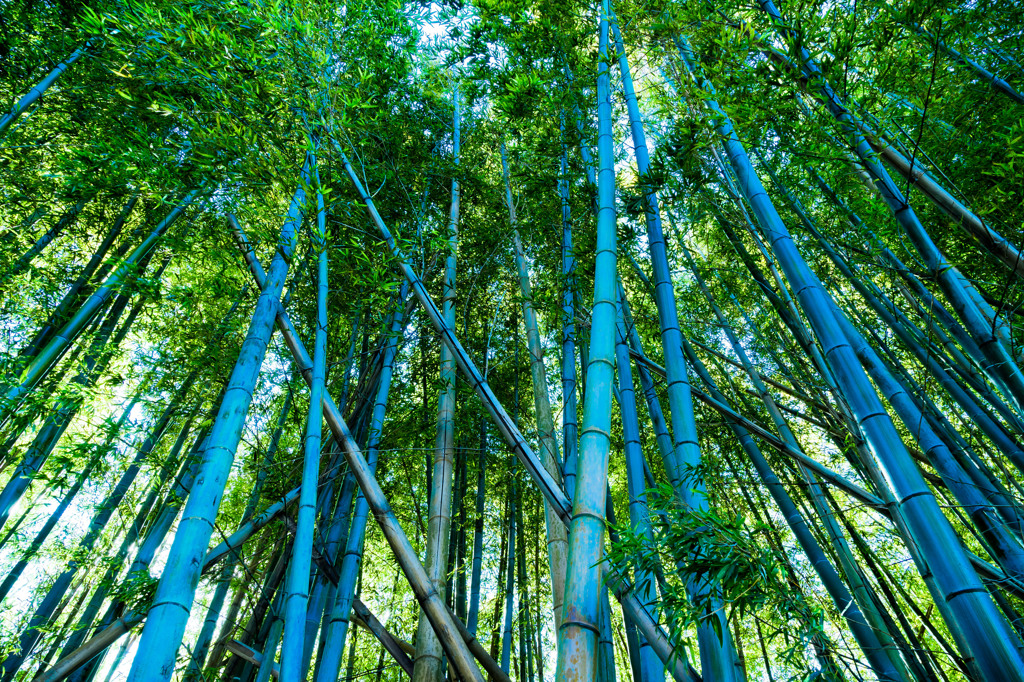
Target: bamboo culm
pixel 167 617
pixel 37 91
pixel 428 662
pixel 577 633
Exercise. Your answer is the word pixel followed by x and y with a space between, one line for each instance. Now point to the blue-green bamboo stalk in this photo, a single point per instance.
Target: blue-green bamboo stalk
pixel 167 617
pixel 23 262
pixel 654 410
pixel 324 594
pixel 81 478
pixel 577 633
pixel 75 292
pixel 651 669
pixel 1007 550
pixel 523 612
pixel 296 598
pixel 336 624
pixel 213 614
pixel 858 609
pixel 267 665
pixel 984 74
pixel 717 653
pixel 881 664
pixel 250 522
pixel 606 654
pixel 506 630
pixel 49 354
pixel 34 95
pixel 570 435
pixel 476 575
pixel 995 647
pixel 31 635
pixel 980 475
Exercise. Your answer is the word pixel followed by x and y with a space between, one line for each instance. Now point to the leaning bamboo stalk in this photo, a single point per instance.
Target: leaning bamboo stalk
pixel 883 664
pixel 252 656
pixel 978 317
pixel 1007 252
pixel 38 90
pixel 175 593
pixel 390 644
pixel 85 653
pixel 429 600
pixel 984 74
pixel 79 287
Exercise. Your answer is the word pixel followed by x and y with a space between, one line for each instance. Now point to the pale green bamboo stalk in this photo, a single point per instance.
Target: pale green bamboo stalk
pixel 556 532
pixel 429 661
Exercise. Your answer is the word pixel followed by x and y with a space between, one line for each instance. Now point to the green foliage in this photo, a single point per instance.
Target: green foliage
pixel 726 563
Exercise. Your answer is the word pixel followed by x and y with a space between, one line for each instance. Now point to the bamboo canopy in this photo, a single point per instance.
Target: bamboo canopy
pixel 511 340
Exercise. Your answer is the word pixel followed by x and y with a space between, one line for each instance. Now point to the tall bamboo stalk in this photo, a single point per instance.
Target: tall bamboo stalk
pixel 428 662
pixel 556 531
pixel 577 633
pixel 38 90
pixel 168 615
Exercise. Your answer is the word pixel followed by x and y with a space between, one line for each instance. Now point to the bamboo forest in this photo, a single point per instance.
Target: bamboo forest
pixel 511 340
